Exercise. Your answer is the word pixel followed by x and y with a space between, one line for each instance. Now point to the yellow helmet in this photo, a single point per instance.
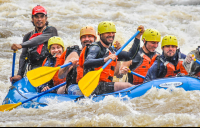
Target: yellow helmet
pixel 55 40
pixel 106 26
pixel 169 40
pixel 87 30
pixel 151 35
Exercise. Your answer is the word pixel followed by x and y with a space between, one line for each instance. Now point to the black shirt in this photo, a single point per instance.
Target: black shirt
pixel 43 38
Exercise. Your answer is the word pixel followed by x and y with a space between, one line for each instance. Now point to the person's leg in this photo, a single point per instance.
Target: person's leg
pixel 109 87
pixel 121 85
pixel 104 87
pixel 61 90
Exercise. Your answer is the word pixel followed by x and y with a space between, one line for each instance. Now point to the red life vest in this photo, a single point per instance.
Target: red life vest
pixel 39 48
pixel 106 75
pixel 172 70
pixel 56 80
pixel 143 68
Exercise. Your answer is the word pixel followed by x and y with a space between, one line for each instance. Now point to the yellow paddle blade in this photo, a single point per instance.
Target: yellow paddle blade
pixel 8 107
pixel 89 82
pixel 41 75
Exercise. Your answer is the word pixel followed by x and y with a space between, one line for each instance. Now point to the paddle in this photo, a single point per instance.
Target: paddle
pixel 136 74
pixel 90 81
pixel 43 74
pixel 8 107
pixel 198 62
pixel 13 64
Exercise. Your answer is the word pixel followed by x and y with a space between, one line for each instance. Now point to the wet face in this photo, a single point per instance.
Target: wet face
pixel 151 46
pixel 87 39
pixel 107 38
pixel 56 49
pixel 169 50
pixel 39 20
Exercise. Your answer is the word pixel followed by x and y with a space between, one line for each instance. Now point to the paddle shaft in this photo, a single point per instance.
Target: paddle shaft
pixel 8 107
pixel 118 51
pixel 65 65
pixel 47 91
pixel 13 64
pixel 198 62
pixel 137 74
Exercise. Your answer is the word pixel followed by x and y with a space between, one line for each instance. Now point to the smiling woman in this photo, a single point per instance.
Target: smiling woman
pixel 56 48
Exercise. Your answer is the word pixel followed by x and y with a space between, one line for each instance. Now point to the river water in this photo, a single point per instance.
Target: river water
pixel 156 108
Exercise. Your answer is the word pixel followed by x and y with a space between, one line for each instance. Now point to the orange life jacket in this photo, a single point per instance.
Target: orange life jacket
pixel 79 70
pixel 56 80
pixel 143 68
pixel 173 71
pixel 62 58
pixel 107 74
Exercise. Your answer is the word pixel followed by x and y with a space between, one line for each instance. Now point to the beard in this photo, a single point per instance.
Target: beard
pixel 170 53
pixel 104 40
pixel 39 27
pixel 84 43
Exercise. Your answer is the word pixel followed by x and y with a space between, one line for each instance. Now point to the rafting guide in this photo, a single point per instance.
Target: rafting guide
pixel 34 44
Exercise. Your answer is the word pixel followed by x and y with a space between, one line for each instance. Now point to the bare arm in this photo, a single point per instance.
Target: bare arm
pixel 72 57
pixel 116 72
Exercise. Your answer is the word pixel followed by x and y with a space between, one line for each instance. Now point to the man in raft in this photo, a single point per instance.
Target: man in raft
pixel 73 73
pixel 98 53
pixel 144 59
pixel 34 46
pixel 170 63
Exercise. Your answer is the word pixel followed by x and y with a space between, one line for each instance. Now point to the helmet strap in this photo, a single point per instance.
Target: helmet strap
pixel 146 46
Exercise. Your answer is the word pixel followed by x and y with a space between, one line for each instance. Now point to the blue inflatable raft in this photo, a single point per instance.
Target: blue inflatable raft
pixel 23 90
